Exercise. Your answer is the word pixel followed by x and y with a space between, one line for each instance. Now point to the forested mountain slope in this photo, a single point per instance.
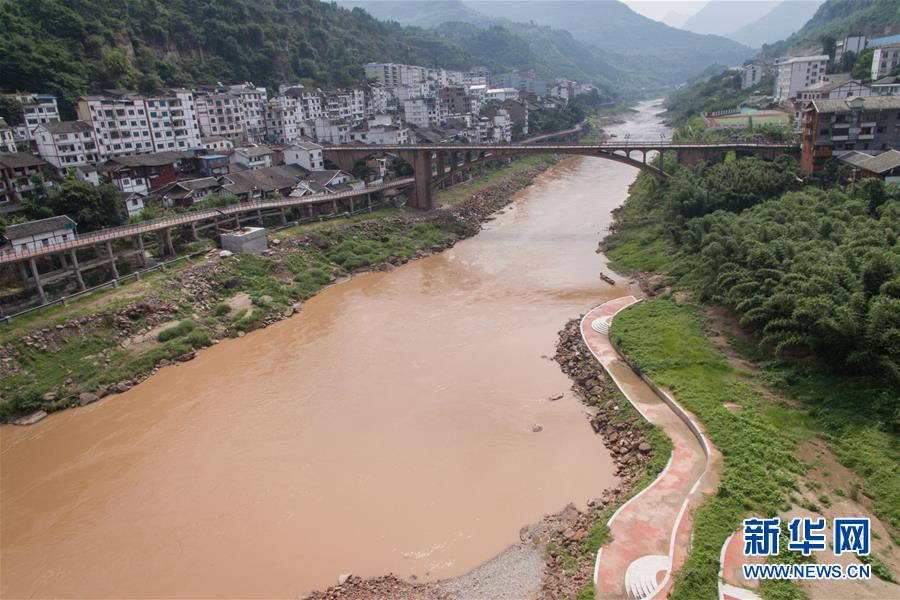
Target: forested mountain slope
pixel 838 18
pixel 69 47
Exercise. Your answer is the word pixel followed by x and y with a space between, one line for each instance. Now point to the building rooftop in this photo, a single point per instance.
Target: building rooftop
pixel 24 230
pixel 59 127
pixel 837 105
pixel 18 160
pixel 254 151
pixel 305 145
pixel 883 41
pixel 153 159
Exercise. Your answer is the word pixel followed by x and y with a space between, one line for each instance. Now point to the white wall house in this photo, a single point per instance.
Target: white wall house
pixel 380 134
pixel 7 139
pixel 173 121
pixel 885 60
pixel 38 234
pixel 752 75
pixel 37 109
pixel 253 157
pixel 252 101
pixel 120 124
pixel 794 74
pixel 67 144
pixel 331 132
pixel 217 144
pixel 306 154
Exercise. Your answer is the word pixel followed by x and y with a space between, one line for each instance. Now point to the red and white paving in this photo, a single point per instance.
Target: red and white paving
pixel 652 531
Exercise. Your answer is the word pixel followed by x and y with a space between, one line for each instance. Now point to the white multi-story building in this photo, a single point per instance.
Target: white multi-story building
pixel 501 94
pixel 37 109
pixel 884 60
pixel 752 75
pixel 221 115
pixel 173 120
pixel 346 104
pixel 380 134
pixel 306 154
pixel 378 100
pixel 67 144
pixel 34 235
pixel 794 74
pixel 7 139
pixel 424 112
pixel 120 124
pixel 331 132
pixel 384 73
pixel 281 120
pixel 253 102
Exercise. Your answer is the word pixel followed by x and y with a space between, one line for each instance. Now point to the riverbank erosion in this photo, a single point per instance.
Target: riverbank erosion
pixel 728 326
pixel 72 356
pixel 555 557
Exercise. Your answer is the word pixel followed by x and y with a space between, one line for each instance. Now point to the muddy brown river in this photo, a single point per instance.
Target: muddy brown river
pixel 385 428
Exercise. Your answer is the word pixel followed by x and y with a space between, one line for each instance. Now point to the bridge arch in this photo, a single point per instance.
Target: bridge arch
pixel 435 163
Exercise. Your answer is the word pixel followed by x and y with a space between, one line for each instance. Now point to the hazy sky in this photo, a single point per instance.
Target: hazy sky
pixel 657 9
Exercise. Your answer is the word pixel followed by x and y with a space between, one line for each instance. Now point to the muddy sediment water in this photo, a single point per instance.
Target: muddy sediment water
pixel 388 427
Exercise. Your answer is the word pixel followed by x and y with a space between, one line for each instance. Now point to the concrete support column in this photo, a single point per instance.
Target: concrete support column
pixel 77 271
pixel 170 247
pixel 283 217
pixel 237 221
pixel 142 260
pixel 112 260
pixel 23 273
pixel 351 204
pixel 439 159
pixel 334 207
pixel 37 280
pixel 194 235
pixel 422 166
pixel 259 216
pixel 369 202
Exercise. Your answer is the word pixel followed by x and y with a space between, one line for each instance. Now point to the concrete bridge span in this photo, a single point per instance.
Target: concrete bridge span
pixel 433 164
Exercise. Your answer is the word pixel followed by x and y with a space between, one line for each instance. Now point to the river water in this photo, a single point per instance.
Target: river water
pixel 385 428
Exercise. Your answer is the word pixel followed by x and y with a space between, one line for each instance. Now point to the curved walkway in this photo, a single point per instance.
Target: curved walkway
pixel 652 531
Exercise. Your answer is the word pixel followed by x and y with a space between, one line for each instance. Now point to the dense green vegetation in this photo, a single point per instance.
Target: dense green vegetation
pixel 665 341
pixel 548 121
pixel 72 47
pixel 720 91
pixel 836 19
pixel 814 272
pixel 91 207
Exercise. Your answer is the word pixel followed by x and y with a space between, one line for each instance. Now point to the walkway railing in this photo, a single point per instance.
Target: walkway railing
pixel 124 231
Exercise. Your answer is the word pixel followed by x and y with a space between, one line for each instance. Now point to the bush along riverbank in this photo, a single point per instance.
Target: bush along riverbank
pixel 771 324
pixel 113 340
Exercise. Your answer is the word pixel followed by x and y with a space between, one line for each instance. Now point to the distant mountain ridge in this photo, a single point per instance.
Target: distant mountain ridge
pixel 650 52
pixel 721 17
pixel 779 23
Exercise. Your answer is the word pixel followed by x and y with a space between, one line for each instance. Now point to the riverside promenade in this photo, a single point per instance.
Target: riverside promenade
pixel 650 533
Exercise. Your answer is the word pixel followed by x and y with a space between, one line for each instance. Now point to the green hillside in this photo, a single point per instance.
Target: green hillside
pixel 836 19
pixel 74 46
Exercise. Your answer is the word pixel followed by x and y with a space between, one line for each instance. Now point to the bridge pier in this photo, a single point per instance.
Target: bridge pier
pixel 37 280
pixel 422 199
pixel 77 271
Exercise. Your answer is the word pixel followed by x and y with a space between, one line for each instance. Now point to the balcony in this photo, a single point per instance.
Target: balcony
pixel 839 138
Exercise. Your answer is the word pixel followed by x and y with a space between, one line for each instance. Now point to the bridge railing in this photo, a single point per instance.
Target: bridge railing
pixel 122 231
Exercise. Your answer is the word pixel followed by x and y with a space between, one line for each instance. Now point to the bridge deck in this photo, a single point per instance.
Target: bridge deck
pixel 557 146
pixel 126 231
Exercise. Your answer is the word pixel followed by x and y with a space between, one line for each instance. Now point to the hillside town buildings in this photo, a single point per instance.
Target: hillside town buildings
pixel 833 127
pixel 177 144
pixel 885 60
pixel 796 73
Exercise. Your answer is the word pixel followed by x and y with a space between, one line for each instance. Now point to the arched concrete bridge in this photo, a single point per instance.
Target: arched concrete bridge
pixel 435 163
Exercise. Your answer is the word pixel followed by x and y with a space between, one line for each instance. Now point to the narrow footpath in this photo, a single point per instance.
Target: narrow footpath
pixel 652 531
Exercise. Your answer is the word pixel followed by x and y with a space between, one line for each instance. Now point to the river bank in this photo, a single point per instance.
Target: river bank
pixel 408 388
pixel 73 356
pixel 805 447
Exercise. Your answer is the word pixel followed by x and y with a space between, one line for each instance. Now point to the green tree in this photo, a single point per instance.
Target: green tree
pixel 11 111
pixel 862 68
pixel 91 207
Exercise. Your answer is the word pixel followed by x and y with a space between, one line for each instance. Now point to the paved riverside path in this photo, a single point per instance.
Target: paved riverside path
pixel 652 531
